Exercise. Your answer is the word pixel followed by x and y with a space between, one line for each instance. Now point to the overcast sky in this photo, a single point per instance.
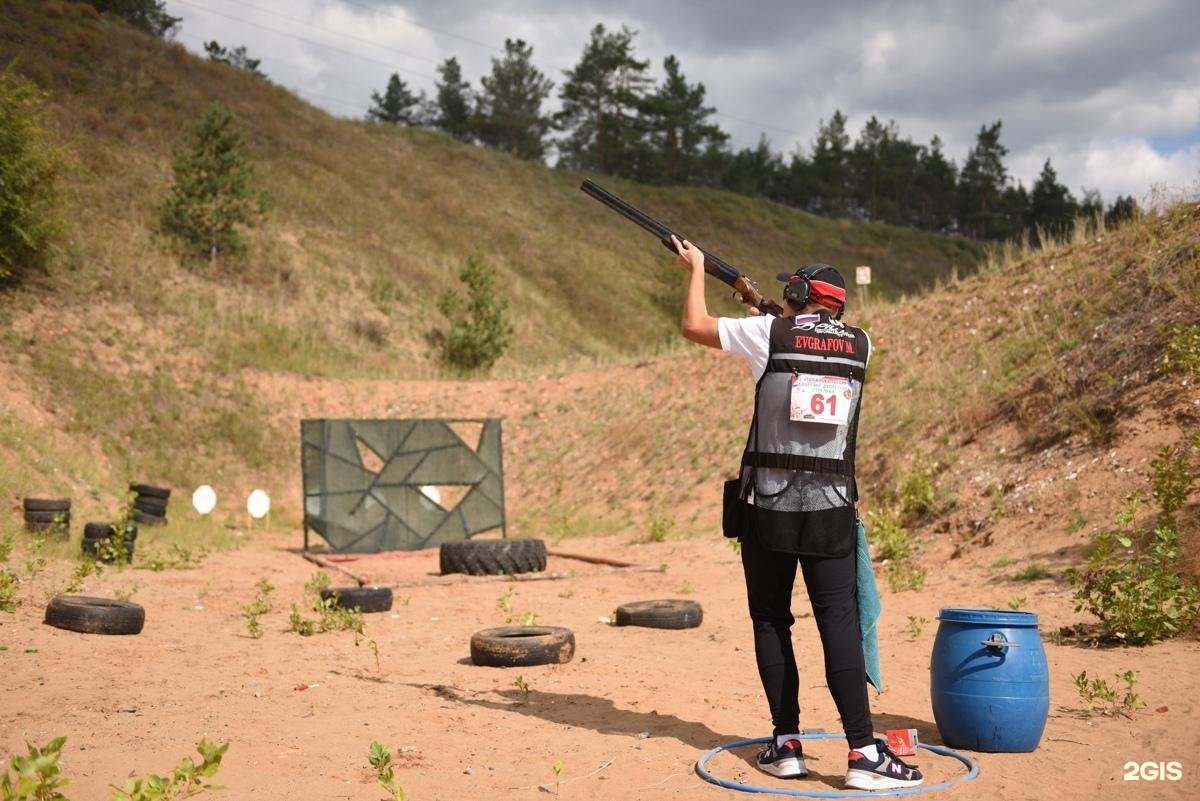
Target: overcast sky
pixel 1108 90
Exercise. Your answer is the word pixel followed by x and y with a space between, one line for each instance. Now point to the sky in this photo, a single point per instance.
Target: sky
pixel 1108 90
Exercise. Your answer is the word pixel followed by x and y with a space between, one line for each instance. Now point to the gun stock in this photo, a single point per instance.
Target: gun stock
pixel 713 265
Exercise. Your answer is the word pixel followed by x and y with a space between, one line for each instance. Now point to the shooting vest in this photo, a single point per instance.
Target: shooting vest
pixel 796 491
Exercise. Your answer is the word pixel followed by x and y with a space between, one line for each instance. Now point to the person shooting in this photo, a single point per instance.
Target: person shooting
pixel 793 504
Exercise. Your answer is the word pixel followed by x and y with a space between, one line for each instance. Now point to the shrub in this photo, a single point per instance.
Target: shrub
pixel 29 168
pixel 891 538
pixel 1102 697
pixel 479 329
pixel 1138 591
pixel 917 491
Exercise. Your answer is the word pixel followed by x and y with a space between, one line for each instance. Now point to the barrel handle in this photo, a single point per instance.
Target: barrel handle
pixel 998 641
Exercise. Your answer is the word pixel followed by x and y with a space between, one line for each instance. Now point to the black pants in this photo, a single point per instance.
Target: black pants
pixel 831 589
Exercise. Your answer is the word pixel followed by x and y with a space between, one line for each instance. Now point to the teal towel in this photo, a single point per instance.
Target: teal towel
pixel 869 609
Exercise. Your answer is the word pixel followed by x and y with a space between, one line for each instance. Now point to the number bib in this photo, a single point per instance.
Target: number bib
pixel 821 399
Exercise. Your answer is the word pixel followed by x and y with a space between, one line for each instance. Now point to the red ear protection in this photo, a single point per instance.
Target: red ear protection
pixel 804 287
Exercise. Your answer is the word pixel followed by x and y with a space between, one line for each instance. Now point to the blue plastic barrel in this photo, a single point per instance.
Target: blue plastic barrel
pixel 989 683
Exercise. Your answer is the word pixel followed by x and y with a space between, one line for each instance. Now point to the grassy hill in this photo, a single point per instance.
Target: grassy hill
pixel 143 355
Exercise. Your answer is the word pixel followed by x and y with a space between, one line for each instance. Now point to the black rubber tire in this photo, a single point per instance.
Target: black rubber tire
pixel 95 615
pixel 149 519
pixel 663 614
pixel 100 531
pixel 151 505
pixel 365 599
pixel 151 491
pixel 520 646
pixel 47 504
pixel 493 557
pixel 45 518
pixel 91 546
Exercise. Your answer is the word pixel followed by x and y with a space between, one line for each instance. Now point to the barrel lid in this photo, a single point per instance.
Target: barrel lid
pixel 990 617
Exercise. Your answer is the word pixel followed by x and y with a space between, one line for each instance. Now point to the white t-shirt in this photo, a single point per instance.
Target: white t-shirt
pixel 750 338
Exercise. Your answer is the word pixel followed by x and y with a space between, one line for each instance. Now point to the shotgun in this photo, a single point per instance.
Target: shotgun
pixel 713 265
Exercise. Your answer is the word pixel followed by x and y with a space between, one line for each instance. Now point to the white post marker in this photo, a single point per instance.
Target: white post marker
pixel 204 499
pixel 258 504
pixel 862 277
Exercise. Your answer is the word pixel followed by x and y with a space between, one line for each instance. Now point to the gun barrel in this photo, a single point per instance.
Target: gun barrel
pixel 713 265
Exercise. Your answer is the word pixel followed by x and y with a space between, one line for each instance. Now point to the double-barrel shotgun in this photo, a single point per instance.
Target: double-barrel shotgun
pixel 713 265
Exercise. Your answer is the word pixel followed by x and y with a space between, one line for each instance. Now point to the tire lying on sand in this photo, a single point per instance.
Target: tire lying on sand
pixel 95 615
pixel 521 646
pixel 661 614
pixel 365 599
pixel 493 557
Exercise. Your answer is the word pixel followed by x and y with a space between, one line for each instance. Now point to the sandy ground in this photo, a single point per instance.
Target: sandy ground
pixel 626 718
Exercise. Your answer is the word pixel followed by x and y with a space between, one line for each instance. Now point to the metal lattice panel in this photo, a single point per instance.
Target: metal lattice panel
pixel 388 485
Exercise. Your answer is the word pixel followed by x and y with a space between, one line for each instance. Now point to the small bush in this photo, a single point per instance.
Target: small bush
pixel 479 328
pixel 1138 591
pixel 1182 349
pixel 1032 572
pixel 30 165
pixel 1102 697
pixel 917 490
pixel 904 574
pixel 891 538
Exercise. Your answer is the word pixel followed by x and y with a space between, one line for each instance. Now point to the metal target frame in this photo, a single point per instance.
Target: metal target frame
pixel 363 482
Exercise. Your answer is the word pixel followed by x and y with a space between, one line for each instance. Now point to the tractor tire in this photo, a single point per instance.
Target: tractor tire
pixel 493 557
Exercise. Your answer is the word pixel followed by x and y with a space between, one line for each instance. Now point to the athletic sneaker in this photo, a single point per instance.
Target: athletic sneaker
pixel 785 761
pixel 885 773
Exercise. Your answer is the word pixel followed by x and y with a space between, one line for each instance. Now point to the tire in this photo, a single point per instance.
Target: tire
pixel 151 505
pixel 149 519
pixel 95 615
pixel 45 518
pixel 365 599
pixel 520 646
pixel 100 531
pixel 47 504
pixel 151 491
pixel 664 614
pixel 493 557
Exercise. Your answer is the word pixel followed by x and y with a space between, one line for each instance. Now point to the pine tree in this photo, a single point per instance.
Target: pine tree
pixel 679 133
pixel 1052 208
pixel 754 171
pixel 830 168
pixel 397 105
pixel 509 111
pixel 213 193
pixel 236 58
pixel 933 205
pixel 600 101
pixel 1123 208
pixel 149 15
pixel 452 106
pixel 480 331
pixel 981 208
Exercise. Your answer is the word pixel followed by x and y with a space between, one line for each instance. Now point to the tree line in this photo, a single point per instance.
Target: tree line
pixel 614 119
